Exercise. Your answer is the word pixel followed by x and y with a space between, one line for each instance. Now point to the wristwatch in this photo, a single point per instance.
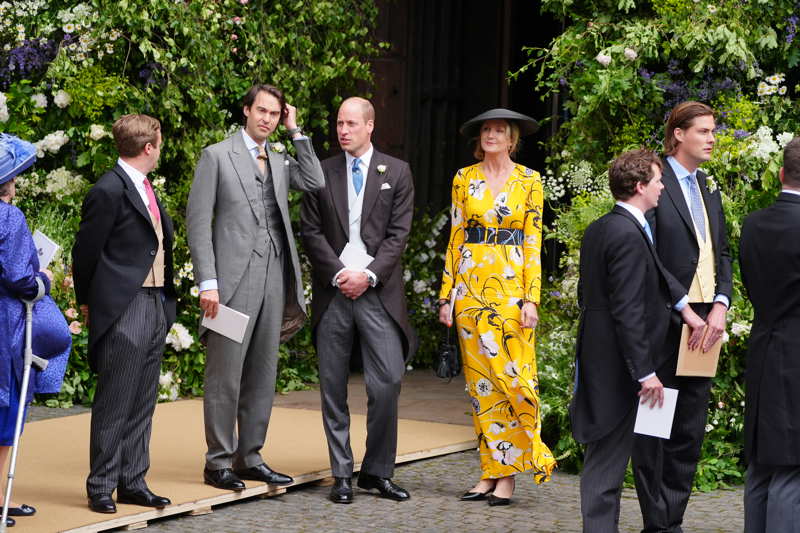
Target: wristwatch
pixel 293 131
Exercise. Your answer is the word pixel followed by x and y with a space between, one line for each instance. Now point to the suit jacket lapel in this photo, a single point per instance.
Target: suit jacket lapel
pixel 373 185
pixel 673 188
pixel 713 219
pixel 243 165
pixel 624 212
pixel 338 188
pixel 278 174
pixel 133 194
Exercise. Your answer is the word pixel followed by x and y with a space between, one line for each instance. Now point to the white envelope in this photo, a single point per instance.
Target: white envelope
pixel 45 247
pixel 228 322
pixel 355 258
pixel 657 422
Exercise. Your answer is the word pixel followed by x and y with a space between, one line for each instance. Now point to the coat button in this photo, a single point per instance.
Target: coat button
pixel 694 261
pixel 152 252
pixel 668 306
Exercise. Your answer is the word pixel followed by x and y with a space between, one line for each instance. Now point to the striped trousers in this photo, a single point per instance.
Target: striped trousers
pixel 128 367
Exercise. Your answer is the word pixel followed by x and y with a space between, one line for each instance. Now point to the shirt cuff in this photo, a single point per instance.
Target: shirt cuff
pixel 336 276
pixel 648 376
pixel 373 279
pixel 300 138
pixel 721 298
pixel 683 302
pixel 208 285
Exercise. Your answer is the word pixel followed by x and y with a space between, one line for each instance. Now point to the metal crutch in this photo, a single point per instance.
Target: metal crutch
pixel 28 360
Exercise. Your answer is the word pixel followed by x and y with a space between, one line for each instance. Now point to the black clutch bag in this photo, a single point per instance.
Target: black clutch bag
pixel 448 363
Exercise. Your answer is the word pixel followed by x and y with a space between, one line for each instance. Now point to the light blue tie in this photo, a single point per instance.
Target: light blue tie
pixel 696 206
pixel 648 232
pixel 358 177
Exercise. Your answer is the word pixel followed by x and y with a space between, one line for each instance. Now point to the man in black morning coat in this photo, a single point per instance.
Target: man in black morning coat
pixel 626 300
pixel 770 261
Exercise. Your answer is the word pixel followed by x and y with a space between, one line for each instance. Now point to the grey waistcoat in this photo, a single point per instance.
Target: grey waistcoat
pixel 270 223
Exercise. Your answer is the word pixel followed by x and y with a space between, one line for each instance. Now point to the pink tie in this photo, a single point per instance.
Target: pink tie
pixel 151 199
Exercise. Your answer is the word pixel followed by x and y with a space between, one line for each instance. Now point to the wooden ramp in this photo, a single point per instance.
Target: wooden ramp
pixel 54 461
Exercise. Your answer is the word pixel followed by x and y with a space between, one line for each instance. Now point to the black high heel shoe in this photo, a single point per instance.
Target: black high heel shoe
pixel 497 500
pixel 470 496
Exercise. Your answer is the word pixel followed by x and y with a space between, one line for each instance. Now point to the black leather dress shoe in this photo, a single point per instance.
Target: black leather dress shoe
pixel 470 496
pixel 496 500
pixel 342 490
pixel 22 510
pixel 10 522
pixel 384 486
pixel 143 497
pixel 102 503
pixel 265 474
pixel 224 478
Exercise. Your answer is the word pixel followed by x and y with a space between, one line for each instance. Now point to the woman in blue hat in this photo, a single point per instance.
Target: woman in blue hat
pixel 20 278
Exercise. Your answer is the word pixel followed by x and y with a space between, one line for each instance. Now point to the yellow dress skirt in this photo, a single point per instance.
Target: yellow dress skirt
pixel 491 282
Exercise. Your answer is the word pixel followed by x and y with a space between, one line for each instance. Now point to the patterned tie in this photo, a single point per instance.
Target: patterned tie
pixel 358 177
pixel 648 231
pixel 151 199
pixel 696 206
pixel 261 159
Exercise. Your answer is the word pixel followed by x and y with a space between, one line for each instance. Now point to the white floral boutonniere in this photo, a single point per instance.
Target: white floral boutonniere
pixel 381 169
pixel 278 148
pixel 711 184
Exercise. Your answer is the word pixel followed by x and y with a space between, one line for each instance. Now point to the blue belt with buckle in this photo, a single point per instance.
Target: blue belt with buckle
pixel 503 236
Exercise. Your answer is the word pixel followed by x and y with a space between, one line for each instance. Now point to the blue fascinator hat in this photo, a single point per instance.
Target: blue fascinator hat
pixel 16 156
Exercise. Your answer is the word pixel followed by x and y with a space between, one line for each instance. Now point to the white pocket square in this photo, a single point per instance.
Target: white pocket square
pixel 385 186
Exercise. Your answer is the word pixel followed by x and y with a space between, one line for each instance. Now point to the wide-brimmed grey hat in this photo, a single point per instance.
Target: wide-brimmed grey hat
pixel 16 156
pixel 526 124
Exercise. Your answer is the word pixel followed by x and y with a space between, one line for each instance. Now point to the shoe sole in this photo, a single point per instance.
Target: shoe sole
pixel 223 488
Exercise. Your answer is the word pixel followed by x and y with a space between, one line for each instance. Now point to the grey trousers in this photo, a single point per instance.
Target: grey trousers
pixel 240 378
pixel 382 352
pixel 128 366
pixel 604 464
pixel 772 499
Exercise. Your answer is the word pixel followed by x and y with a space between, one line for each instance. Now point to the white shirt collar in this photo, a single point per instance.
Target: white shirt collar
pixel 365 158
pixel 135 176
pixel 679 170
pixel 250 143
pixel 791 191
pixel 633 210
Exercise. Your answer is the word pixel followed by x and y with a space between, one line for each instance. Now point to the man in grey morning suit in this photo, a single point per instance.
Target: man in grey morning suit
pixel 367 206
pixel 244 256
pixel 122 265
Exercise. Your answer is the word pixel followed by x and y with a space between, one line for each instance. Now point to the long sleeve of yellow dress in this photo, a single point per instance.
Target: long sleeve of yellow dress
pixel 532 246
pixel 453 254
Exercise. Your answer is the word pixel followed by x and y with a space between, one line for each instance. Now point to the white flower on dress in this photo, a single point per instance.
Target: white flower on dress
pixel 505 452
pixel 476 188
pixel 515 253
pixel 496 428
pixel 511 369
pixel 488 344
pixel 465 333
pixel 461 290
pixel 476 404
pixel 483 387
pixel 500 208
pixel 466 262
pixel 457 217
pixel 514 301
pixel 508 272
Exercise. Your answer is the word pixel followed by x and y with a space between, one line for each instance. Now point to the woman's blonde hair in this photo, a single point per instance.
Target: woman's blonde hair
pixel 512 131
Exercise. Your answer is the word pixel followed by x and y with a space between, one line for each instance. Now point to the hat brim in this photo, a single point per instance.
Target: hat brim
pixel 527 125
pixel 21 167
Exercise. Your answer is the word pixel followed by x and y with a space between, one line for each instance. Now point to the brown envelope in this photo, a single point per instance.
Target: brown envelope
pixel 695 362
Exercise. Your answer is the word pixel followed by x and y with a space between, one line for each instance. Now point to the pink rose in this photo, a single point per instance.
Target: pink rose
pixel 75 327
pixel 234 36
pixel 67 283
pixel 71 313
pixel 244 2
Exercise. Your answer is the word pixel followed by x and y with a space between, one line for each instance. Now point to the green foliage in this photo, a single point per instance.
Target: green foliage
pixel 619 67
pixel 187 64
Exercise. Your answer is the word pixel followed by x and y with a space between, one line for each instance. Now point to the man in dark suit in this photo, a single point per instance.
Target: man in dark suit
pixel 122 266
pixel 770 261
pixel 355 231
pixel 626 299
pixel 691 240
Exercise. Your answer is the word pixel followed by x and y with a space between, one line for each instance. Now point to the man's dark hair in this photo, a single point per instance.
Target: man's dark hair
pixel 629 169
pixel 791 163
pixel 251 94
pixel 682 116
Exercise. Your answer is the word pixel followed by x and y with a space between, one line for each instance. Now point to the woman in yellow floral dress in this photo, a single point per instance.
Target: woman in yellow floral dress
pixel 493 267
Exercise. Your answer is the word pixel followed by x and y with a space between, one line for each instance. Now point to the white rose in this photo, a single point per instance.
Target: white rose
pixel 4 116
pixel 39 100
pixel 97 132
pixel 603 59
pixel 62 99
pixel 630 53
